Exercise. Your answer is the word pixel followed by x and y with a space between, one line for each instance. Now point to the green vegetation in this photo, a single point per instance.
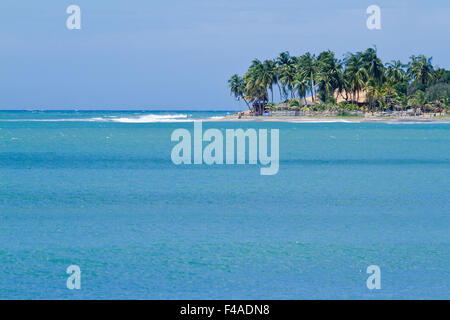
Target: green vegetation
pixel 359 82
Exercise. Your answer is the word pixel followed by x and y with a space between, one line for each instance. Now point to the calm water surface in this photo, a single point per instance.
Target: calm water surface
pixel 99 190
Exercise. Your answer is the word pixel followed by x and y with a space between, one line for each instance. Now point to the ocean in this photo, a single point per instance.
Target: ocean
pixel 98 189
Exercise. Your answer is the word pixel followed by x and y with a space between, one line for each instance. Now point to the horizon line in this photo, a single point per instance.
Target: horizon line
pixel 121 110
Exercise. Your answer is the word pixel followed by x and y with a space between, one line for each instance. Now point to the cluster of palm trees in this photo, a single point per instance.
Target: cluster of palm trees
pixel 326 79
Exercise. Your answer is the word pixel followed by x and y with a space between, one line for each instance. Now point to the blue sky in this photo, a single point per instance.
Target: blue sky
pixel 179 54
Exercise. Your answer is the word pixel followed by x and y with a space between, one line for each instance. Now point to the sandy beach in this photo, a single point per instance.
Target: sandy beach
pixel 315 119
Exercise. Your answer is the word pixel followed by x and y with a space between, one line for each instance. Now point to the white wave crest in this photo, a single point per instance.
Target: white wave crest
pixel 217 117
pixel 150 118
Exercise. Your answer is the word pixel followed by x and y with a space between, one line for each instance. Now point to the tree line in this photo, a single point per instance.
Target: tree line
pixel 325 79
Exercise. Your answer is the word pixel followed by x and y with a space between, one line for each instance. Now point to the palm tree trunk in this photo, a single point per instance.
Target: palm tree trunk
pixel 248 105
pixel 279 88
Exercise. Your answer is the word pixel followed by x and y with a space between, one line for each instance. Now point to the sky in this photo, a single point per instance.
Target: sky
pixel 179 54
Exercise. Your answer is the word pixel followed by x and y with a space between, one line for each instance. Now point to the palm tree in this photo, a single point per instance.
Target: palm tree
pixel 237 88
pixel 301 87
pixel 270 69
pixel 374 66
pixel 257 80
pixel 356 74
pixel 287 78
pixel 307 69
pixel 385 85
pixel 284 66
pixel 284 58
pixel 421 69
pixel 329 75
pixel 395 71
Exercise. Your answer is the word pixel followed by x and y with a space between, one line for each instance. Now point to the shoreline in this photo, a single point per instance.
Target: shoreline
pixel 299 119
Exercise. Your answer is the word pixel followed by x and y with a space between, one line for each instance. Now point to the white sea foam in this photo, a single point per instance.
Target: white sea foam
pixel 217 117
pixel 150 118
pixel 147 118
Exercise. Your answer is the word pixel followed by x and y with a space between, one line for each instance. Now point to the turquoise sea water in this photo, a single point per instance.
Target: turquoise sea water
pixel 99 190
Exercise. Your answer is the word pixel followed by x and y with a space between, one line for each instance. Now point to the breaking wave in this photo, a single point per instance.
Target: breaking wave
pixel 150 118
pixel 147 118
